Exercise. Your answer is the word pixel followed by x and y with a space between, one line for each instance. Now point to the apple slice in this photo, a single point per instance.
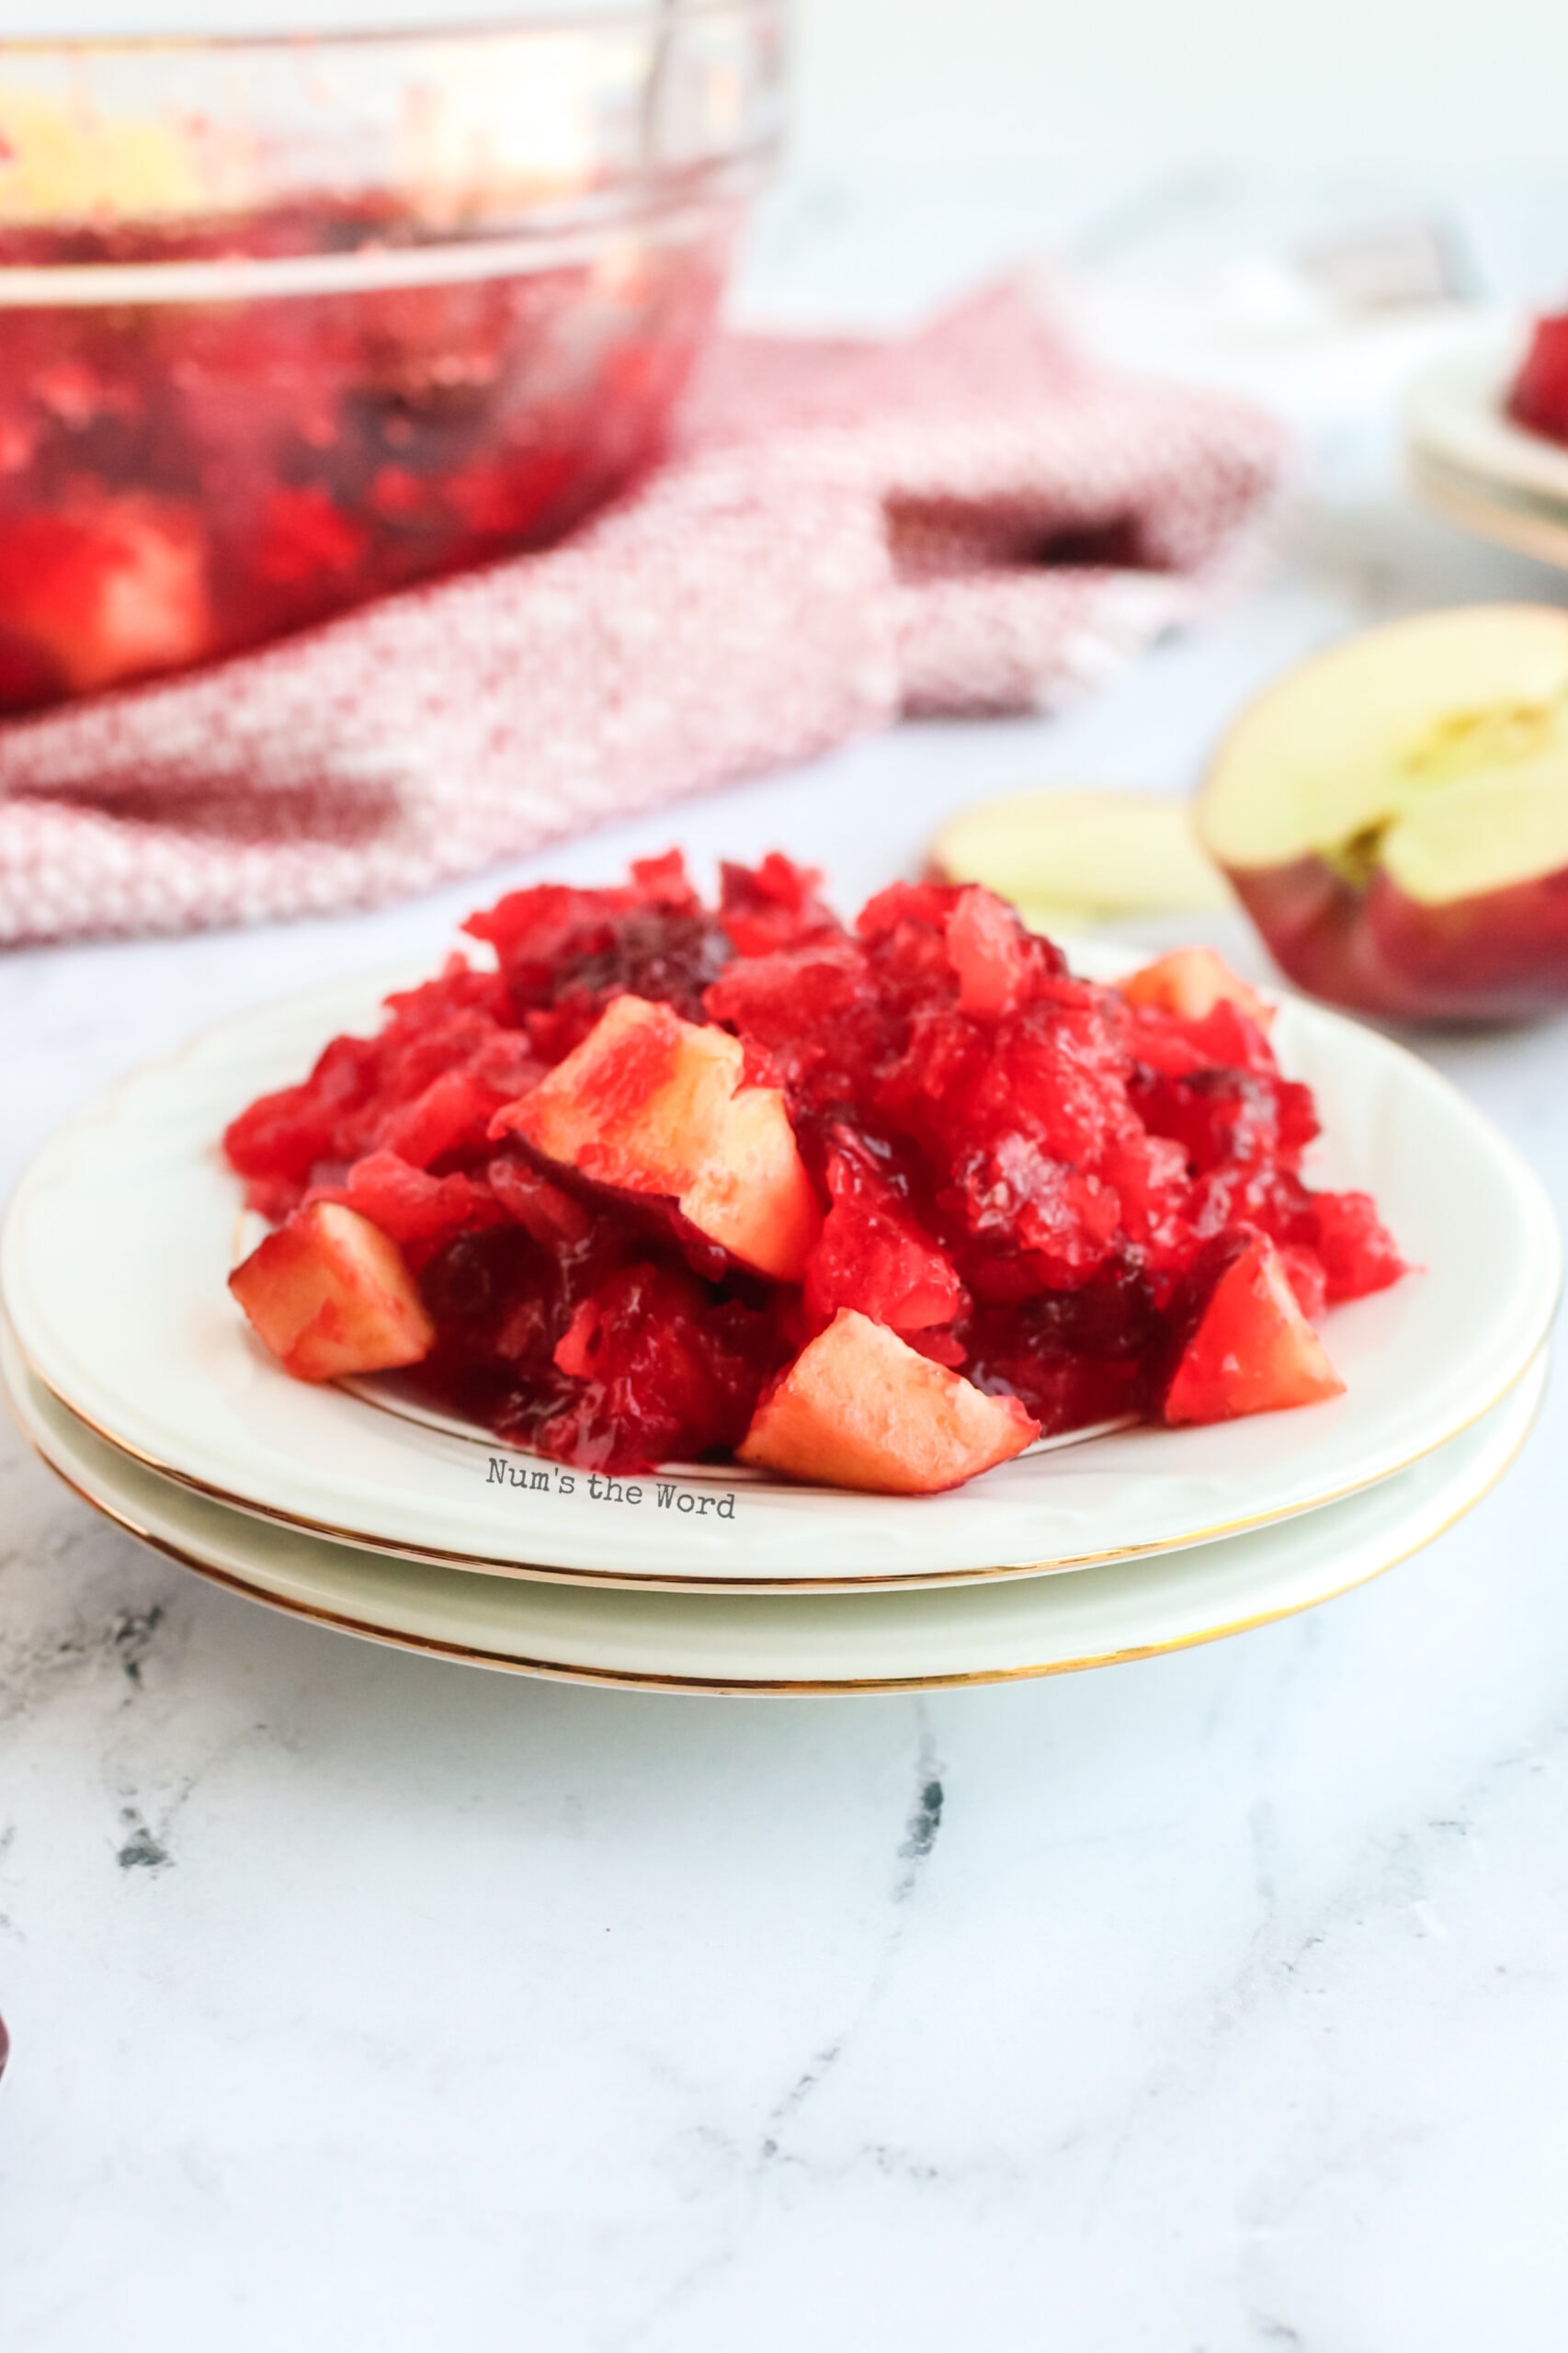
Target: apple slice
pixel 860 1408
pixel 1069 859
pixel 1191 982
pixel 1395 816
pixel 329 1293
pixel 654 1105
pixel 1253 1350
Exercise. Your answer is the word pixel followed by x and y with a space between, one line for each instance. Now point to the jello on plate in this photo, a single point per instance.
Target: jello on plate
pixel 874 1204
pixel 1538 398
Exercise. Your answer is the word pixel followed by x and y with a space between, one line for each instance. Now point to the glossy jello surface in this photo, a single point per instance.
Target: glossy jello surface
pixel 1048 1191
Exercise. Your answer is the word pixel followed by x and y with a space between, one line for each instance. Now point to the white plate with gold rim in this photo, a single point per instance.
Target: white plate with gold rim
pixel 713 1643
pixel 116 1247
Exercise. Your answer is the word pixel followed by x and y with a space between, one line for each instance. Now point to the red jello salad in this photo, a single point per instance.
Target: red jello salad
pixel 875 1206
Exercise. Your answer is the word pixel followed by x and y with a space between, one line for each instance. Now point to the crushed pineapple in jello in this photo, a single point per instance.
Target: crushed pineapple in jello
pixel 61 164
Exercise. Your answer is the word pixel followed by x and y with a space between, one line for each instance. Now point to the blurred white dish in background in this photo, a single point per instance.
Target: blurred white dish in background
pixel 1470 461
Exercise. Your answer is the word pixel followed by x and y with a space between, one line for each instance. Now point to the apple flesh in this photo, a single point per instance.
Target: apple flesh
pixel 1395 816
pixel 1251 1349
pixel 99 592
pixel 860 1408
pixel 1068 859
pixel 330 1294
pixel 1190 982
pixel 655 1106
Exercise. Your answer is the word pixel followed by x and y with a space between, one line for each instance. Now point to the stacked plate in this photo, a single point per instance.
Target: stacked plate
pixel 1474 465
pixel 137 1380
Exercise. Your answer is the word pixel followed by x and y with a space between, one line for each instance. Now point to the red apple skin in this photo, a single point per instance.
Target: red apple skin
pixel 654 1108
pixel 1501 956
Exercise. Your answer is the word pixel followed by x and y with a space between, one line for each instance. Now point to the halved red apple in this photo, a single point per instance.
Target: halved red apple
pixel 1395 816
pixel 860 1408
pixel 1251 1349
pixel 329 1293
pixel 650 1104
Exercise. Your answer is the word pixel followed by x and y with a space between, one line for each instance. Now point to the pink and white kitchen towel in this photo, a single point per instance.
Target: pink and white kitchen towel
pixel 970 520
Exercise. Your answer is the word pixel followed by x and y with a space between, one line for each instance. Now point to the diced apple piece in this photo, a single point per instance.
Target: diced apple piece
pixel 106 591
pixel 1395 816
pixel 650 1104
pixel 1253 1350
pixel 329 1293
pixel 1191 982
pixel 860 1408
pixel 1071 858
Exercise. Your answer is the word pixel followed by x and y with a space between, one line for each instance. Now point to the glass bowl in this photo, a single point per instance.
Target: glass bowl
pixel 286 323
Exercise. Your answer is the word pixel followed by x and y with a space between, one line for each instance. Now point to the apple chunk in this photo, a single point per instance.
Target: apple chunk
pixel 1395 816
pixel 650 1104
pixel 860 1408
pixel 1191 982
pixel 100 592
pixel 330 1294
pixel 1252 1350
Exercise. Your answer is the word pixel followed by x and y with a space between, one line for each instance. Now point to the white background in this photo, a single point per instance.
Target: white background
pixel 1144 82
pixel 1183 80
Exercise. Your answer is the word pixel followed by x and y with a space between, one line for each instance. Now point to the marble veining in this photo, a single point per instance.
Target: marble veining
pixel 1216 2004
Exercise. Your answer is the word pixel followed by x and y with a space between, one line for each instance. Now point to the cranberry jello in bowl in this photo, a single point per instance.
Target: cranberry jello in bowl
pixel 289 322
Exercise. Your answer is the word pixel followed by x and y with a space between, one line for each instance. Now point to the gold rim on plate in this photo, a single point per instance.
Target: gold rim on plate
pixel 1533 526
pixel 539 1573
pixel 476 1655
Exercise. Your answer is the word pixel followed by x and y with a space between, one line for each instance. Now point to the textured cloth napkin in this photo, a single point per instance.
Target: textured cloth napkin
pixel 965 521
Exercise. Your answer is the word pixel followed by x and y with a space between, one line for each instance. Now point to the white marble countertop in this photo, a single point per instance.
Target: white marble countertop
pixel 1220 2002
